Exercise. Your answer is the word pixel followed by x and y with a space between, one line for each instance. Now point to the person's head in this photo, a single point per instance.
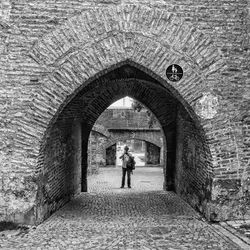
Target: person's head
pixel 126 148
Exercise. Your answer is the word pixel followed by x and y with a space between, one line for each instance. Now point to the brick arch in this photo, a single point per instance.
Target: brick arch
pixel 101 130
pixel 67 91
pixel 75 55
pixel 102 23
pixel 136 137
pixel 84 48
pixel 90 102
pixel 103 149
pixel 113 140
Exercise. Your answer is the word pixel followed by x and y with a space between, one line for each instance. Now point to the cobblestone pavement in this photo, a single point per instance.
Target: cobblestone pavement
pixel 144 217
pixel 243 226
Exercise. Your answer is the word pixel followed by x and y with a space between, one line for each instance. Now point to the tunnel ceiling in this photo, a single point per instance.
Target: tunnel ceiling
pixel 127 80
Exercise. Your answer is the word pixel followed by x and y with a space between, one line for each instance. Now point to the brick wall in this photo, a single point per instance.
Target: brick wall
pixel 192 158
pixel 61 177
pixel 51 52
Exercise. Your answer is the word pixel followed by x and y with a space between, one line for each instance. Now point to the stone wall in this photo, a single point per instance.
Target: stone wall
pixel 51 52
pixel 125 118
pixel 96 151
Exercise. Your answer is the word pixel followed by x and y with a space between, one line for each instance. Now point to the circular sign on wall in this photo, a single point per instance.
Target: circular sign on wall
pixel 174 73
pixel 207 106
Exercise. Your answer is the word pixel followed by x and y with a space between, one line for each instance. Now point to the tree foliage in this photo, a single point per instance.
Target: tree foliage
pixel 137 106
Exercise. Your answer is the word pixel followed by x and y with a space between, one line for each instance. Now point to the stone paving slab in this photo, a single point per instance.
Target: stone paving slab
pixel 242 226
pixel 232 234
pixel 144 217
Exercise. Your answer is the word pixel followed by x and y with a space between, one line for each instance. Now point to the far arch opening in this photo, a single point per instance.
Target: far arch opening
pixel 130 123
pixel 145 153
pixel 64 154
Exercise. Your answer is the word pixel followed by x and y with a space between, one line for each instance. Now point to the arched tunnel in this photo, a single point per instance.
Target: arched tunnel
pixel 63 155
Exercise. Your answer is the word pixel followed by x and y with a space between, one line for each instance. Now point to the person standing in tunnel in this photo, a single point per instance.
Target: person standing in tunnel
pixel 126 158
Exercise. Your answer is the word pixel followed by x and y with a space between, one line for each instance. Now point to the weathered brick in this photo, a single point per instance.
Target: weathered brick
pixel 67 45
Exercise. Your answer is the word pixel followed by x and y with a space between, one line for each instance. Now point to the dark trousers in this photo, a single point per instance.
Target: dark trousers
pixel 124 171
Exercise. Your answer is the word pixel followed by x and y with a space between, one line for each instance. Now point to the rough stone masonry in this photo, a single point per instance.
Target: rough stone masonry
pixel 63 62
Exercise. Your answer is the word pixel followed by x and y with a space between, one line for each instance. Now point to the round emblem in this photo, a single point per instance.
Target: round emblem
pixel 207 106
pixel 174 73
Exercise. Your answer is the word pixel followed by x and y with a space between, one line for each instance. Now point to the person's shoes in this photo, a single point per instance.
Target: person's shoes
pixel 129 187
pixel 121 187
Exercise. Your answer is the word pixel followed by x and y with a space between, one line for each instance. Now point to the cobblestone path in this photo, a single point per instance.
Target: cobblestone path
pixel 144 217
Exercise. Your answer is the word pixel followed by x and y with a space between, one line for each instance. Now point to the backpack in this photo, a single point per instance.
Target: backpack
pixel 131 163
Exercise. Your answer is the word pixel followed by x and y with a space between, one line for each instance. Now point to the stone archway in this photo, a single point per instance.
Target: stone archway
pixel 101 130
pixel 100 142
pixel 84 56
pixel 135 137
pixel 125 79
pixel 157 145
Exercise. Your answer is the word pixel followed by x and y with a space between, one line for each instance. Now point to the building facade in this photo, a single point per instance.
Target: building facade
pixel 62 63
